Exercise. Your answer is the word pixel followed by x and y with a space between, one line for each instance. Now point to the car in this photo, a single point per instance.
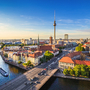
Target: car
pixel 31 82
pixel 45 74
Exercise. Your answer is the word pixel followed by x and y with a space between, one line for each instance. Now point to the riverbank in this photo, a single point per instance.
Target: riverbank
pixel 13 63
pixel 61 75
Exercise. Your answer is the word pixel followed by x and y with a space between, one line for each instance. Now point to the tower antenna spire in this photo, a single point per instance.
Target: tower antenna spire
pixel 54 28
pixel 54 15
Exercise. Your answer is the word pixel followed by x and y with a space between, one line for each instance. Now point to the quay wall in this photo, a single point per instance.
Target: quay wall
pixel 61 75
pixel 13 63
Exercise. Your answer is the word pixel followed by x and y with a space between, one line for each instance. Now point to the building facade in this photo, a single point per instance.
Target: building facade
pixel 66 36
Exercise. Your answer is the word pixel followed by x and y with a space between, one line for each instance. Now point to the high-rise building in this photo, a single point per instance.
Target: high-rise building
pixel 66 36
pixel 54 29
pixel 51 40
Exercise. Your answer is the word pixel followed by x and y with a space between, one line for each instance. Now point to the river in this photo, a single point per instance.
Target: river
pixel 12 71
pixel 66 84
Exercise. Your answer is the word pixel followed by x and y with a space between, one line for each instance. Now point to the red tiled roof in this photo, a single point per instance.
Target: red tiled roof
pixel 83 45
pixel 82 62
pixel 42 42
pixel 53 51
pixel 66 60
pixel 45 48
pixel 35 54
pixel 71 55
pixel 87 43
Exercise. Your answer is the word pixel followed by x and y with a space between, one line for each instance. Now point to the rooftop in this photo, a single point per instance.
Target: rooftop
pixel 82 62
pixel 66 60
pixel 71 55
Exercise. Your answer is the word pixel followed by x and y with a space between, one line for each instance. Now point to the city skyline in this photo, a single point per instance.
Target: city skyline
pixel 25 19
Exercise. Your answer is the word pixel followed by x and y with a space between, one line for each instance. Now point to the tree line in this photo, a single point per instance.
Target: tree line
pixel 78 71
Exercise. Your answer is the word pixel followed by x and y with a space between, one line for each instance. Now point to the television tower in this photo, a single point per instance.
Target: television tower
pixel 54 29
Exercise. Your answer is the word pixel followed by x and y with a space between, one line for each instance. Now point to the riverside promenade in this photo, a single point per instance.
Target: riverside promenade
pixel 61 75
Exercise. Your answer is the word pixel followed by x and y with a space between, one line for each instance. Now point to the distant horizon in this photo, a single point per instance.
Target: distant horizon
pixel 43 38
pixel 27 18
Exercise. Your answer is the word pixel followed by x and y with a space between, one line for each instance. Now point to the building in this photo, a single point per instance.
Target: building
pixel 41 42
pixel 70 60
pixel 17 43
pixel 34 47
pixel 34 57
pixel 55 52
pixel 61 42
pixel 66 62
pixel 56 46
pixel 45 48
pixel 23 41
pixel 66 36
pixel 82 62
pixel 51 40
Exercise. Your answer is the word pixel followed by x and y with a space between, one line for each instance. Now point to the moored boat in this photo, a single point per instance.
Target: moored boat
pixel 4 73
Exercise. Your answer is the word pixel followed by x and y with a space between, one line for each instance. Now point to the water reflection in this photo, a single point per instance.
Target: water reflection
pixel 66 84
pixel 13 69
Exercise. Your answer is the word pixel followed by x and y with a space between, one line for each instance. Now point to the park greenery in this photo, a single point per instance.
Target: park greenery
pixel 6 55
pixel 78 71
pixel 80 48
pixel 60 51
pixel 47 56
pixel 28 64
pixel 61 47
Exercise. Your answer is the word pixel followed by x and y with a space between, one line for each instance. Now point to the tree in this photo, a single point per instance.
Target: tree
pixel 19 62
pixel 77 70
pixel 60 51
pixel 29 63
pixel 41 60
pixel 83 70
pixel 79 48
pixel 69 68
pixel 65 72
pixel 6 55
pixel 48 55
pixel 71 72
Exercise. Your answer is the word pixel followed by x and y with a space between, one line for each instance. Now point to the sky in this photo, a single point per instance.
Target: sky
pixel 28 18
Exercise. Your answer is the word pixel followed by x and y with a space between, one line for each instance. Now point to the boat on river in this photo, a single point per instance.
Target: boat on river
pixel 4 73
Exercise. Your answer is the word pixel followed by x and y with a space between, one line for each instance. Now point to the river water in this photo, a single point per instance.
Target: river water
pixel 12 71
pixel 66 84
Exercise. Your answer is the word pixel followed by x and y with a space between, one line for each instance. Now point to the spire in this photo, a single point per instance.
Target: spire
pixel 54 15
pixel 38 39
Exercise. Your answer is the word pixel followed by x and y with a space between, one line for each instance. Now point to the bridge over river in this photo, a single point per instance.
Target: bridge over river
pixel 23 82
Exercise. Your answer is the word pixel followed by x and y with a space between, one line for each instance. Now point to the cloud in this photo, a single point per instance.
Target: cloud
pixel 61 24
pixel 21 15
pixel 26 17
pixel 66 20
pixel 28 29
pixel 4 26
